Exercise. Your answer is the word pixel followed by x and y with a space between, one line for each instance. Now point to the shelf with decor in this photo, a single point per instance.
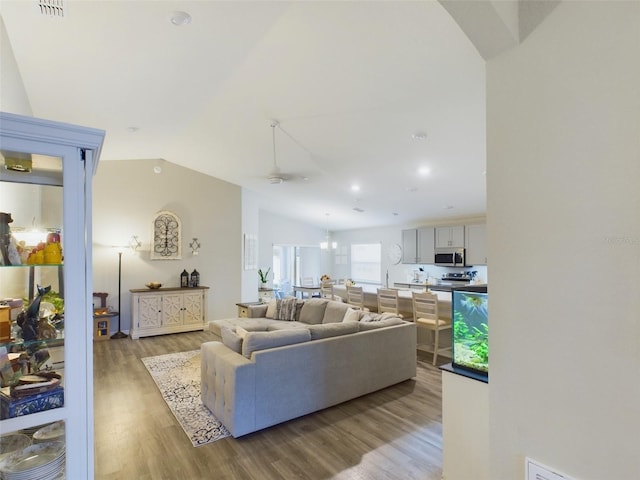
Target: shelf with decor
pixel 46 357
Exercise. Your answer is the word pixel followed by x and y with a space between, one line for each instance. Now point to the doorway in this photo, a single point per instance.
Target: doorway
pixel 291 263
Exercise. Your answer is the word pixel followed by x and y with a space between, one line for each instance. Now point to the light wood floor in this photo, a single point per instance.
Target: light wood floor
pixel 395 433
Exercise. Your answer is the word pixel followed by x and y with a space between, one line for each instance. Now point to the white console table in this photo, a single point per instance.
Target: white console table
pixel 167 310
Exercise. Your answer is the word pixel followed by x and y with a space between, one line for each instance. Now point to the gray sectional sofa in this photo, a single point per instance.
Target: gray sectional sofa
pixel 263 371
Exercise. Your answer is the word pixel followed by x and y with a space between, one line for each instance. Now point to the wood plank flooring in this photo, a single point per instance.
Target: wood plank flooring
pixel 395 433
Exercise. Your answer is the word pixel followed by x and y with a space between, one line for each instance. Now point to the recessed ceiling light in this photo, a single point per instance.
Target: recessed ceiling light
pixel 424 171
pixel 395 214
pixel 355 188
pixel 180 18
pixel 419 135
pixel 357 209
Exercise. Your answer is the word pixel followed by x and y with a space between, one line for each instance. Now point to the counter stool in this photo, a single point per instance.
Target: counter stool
pixel 425 314
pixel 388 301
pixel 355 297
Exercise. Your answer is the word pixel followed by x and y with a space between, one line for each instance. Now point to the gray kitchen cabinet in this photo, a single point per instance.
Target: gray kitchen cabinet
pixel 476 244
pixel 410 246
pixel 452 236
pixel 418 245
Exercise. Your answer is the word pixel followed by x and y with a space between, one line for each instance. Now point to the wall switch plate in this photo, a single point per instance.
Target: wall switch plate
pixel 534 470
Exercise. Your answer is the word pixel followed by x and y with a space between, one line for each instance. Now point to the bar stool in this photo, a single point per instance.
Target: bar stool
pixel 388 301
pixel 355 297
pixel 425 314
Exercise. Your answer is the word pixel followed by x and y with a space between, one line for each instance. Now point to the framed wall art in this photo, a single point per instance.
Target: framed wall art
pixel 166 237
pixel 250 251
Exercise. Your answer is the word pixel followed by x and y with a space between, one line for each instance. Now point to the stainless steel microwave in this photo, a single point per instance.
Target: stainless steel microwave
pixel 449 257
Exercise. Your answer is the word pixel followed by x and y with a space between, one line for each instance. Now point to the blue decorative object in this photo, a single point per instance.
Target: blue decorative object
pixel 15 407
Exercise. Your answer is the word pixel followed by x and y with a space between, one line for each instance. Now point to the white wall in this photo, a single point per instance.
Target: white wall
pixel 250 226
pixel 563 205
pixel 13 97
pixel 127 194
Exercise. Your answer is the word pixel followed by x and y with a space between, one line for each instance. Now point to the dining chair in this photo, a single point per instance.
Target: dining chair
pixel 425 314
pixel 388 301
pixel 326 289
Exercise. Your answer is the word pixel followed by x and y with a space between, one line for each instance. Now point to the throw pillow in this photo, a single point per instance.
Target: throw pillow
pixel 271 309
pixel 313 311
pixel 285 309
pixel 351 315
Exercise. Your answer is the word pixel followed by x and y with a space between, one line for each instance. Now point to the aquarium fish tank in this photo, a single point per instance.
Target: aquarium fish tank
pixel 470 328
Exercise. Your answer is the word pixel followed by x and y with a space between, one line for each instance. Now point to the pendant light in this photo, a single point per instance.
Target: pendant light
pixel 325 245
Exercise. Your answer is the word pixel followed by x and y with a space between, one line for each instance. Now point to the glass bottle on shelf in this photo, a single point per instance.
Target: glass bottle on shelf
pixel 46 361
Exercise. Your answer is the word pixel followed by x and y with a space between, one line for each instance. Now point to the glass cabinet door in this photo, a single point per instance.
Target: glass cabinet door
pixel 46 403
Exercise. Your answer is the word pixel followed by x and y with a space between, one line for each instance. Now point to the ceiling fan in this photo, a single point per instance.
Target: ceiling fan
pixel 276 176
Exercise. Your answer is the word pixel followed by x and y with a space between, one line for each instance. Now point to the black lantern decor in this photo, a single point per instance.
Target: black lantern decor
pixel 195 278
pixel 184 279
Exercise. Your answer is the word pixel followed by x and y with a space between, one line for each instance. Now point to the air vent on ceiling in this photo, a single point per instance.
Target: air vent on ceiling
pixel 51 8
pixel 359 210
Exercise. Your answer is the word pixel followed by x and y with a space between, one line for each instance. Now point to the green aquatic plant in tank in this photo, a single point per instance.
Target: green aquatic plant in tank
pixel 471 329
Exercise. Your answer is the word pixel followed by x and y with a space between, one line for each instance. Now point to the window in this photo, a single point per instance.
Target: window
pixel 366 262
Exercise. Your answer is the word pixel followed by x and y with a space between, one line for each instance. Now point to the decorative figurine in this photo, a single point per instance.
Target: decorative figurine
pixel 8 251
pixel 29 319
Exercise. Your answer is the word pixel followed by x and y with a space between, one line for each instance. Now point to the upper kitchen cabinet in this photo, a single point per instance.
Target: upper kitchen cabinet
pixel 418 245
pixel 450 236
pixel 410 246
pixel 476 244
pixel 426 245
pixel 46 358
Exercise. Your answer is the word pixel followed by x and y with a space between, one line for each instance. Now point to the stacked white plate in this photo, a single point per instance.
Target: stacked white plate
pixel 13 442
pixel 54 432
pixel 41 461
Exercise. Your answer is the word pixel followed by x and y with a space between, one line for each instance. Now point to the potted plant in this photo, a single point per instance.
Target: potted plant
pixel 264 276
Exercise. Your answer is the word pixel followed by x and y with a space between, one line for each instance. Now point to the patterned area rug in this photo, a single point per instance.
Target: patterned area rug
pixel 177 375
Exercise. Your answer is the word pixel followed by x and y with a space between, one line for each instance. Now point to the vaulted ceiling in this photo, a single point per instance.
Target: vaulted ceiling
pixel 365 93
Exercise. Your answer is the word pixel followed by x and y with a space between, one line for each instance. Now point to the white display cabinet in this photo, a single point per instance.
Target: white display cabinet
pixel 56 193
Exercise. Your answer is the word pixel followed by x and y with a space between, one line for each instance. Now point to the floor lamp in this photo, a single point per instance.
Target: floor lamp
pixel 119 333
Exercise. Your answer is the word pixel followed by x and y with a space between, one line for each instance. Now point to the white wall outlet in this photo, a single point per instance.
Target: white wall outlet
pixel 534 470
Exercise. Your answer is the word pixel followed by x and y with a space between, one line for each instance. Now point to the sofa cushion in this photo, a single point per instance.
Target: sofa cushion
pixel 312 311
pixel 254 324
pixel 388 322
pixel 231 339
pixel 286 309
pixel 334 312
pixel 286 325
pixel 254 341
pixel 327 330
